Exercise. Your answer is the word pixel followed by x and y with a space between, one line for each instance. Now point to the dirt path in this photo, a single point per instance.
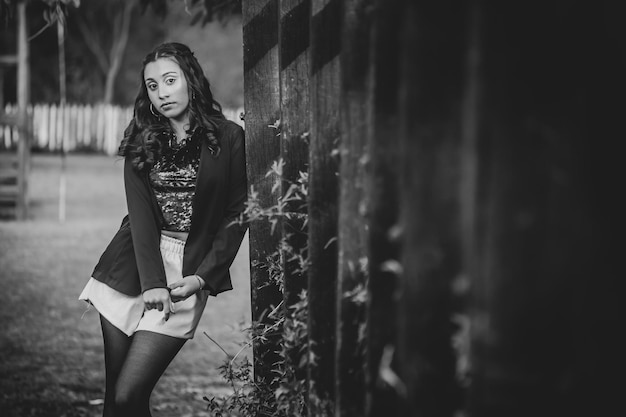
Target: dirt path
pixel 51 360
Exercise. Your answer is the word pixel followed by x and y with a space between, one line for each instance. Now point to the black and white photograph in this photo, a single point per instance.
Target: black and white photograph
pixel 312 208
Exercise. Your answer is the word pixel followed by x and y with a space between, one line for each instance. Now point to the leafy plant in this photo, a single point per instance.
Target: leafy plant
pixel 286 394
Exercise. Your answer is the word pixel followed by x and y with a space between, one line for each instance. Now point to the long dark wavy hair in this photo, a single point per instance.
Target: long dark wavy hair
pixel 146 131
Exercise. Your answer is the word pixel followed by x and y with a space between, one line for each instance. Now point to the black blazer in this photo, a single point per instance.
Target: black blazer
pixel 132 261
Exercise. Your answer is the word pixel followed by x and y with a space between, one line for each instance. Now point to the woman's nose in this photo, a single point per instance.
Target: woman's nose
pixel 163 92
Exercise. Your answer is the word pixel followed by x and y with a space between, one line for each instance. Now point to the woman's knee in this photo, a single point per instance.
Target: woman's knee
pixel 130 402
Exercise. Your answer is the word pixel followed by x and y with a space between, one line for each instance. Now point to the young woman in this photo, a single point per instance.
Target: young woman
pixel 185 180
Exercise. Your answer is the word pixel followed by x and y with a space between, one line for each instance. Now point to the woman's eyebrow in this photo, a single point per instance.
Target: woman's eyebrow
pixel 165 74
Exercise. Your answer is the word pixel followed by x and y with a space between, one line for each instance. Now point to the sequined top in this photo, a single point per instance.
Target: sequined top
pixel 173 179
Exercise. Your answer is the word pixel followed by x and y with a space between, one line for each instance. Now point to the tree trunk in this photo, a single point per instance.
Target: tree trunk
pixel 116 55
pixel 23 98
pixel 111 61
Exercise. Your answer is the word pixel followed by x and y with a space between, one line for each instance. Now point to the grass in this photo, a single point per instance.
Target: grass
pixel 51 358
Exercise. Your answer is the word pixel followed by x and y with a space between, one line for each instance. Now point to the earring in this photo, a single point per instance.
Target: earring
pixel 153 112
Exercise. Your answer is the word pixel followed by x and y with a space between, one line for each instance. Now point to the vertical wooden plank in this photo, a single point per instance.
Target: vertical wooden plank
pixel 80 125
pixel 433 37
pixel 23 97
pixel 100 125
pixel 471 282
pixel 294 102
pixel 45 126
pixel 323 200
pixel 95 126
pixel 356 128
pixel 36 123
pixel 74 115
pixel 89 120
pixel 60 126
pixel 67 128
pixel 548 279
pixel 382 391
pixel 42 133
pixel 2 71
pixel 107 126
pixel 262 110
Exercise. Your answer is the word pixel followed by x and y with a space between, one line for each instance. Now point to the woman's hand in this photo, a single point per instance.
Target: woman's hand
pixel 184 288
pixel 158 298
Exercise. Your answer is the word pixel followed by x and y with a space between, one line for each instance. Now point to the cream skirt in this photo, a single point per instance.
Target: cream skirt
pixel 127 312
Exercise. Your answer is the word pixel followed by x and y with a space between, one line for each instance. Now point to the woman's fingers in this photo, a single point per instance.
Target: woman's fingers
pixel 184 288
pixel 187 286
pixel 177 284
pixel 166 310
pixel 179 295
pixel 158 298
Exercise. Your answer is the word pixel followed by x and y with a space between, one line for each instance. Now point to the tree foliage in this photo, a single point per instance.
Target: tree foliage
pixel 202 11
pixel 99 67
pixel 105 29
pixel 55 9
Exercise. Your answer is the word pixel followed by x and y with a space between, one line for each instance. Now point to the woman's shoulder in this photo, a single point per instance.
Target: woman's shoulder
pixel 229 131
pixel 230 128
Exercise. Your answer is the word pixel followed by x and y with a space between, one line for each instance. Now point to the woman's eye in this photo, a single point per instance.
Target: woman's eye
pixel 152 86
pixel 170 81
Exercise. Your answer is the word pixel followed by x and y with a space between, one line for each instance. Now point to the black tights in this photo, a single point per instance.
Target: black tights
pixel 133 367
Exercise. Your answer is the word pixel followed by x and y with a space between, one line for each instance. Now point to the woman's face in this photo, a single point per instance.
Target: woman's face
pixel 167 88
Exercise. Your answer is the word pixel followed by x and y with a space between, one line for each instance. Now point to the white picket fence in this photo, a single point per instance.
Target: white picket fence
pixel 77 127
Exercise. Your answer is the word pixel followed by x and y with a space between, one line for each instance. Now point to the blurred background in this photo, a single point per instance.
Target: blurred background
pixel 51 358
pixel 103 54
pixel 464 157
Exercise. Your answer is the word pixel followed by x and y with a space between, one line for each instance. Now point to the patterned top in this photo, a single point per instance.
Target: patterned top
pixel 173 180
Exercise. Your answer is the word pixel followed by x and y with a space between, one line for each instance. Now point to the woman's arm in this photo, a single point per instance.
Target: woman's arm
pixel 144 228
pixel 214 267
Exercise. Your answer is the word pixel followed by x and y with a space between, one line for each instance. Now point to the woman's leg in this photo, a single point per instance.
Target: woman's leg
pixel 149 355
pixel 116 345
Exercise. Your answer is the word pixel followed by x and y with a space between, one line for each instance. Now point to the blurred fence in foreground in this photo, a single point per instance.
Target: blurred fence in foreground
pixel 77 127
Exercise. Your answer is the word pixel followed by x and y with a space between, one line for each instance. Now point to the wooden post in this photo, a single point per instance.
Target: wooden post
pixel 548 277
pixel 294 102
pixel 23 97
pixel 433 38
pixel 262 110
pixel 323 197
pixel 382 389
pixel 471 115
pixel 353 263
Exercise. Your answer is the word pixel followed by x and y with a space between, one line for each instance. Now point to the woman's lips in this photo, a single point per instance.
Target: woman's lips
pixel 167 105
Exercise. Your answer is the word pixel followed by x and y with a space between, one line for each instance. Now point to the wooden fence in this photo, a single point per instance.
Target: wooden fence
pixel 464 179
pixel 76 127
